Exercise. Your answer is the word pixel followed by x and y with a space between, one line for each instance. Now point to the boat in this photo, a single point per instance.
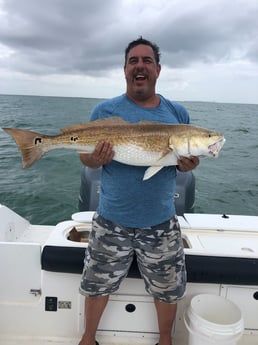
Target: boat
pixel 41 267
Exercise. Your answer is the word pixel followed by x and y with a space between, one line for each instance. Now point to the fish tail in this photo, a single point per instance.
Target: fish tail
pixel 29 143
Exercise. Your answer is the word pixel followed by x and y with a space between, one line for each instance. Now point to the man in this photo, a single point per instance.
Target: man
pixel 135 216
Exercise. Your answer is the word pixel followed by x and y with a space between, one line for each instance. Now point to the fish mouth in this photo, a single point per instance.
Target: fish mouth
pixel 216 147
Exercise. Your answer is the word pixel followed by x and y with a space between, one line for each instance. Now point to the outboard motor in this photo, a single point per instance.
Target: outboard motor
pixel 185 192
pixel 90 188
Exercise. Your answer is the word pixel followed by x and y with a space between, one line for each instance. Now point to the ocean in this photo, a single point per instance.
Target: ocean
pixel 47 193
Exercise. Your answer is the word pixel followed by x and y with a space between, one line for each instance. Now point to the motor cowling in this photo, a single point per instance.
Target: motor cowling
pixel 90 188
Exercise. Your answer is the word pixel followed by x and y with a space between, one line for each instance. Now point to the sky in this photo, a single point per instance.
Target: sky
pixel 75 48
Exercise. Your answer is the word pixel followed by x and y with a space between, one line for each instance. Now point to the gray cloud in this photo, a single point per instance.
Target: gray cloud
pixel 83 38
pixel 55 36
pixel 211 33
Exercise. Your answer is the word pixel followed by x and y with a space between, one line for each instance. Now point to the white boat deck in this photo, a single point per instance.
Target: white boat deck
pixel 233 237
pixel 247 339
pixel 24 319
pixel 36 234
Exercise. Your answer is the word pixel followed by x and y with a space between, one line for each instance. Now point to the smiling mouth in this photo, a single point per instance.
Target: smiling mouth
pixel 140 77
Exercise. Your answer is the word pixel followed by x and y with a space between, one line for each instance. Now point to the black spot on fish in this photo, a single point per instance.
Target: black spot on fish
pixel 74 139
pixel 38 141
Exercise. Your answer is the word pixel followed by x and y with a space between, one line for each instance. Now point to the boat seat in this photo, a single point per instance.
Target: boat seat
pixel 200 268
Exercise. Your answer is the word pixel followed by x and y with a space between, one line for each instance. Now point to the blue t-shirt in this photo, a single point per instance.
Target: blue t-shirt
pixel 125 198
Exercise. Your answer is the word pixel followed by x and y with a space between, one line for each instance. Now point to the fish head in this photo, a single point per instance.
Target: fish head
pixel 203 142
pixel 196 141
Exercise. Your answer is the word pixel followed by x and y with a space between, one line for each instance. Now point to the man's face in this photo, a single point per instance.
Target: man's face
pixel 141 72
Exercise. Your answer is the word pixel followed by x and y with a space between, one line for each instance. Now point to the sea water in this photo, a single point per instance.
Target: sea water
pixel 47 192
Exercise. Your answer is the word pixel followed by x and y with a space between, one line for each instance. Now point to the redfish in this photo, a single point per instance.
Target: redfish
pixel 149 144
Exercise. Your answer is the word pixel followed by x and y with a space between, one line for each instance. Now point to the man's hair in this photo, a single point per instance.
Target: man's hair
pixel 141 40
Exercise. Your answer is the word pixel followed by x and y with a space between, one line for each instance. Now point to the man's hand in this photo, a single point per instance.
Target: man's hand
pixel 103 154
pixel 186 164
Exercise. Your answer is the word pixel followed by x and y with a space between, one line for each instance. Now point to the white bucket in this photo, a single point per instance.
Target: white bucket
pixel 212 319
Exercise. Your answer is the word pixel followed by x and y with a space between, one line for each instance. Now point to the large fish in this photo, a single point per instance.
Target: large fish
pixel 150 144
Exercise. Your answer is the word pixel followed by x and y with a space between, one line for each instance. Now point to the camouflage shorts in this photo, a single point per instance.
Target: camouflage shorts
pixel 159 252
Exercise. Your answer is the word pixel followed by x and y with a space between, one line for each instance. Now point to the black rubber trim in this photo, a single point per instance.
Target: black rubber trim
pixel 200 269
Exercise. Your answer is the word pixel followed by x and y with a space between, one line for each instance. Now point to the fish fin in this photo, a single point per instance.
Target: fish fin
pixel 29 143
pixel 105 122
pixel 175 152
pixel 173 148
pixel 151 171
pixel 166 152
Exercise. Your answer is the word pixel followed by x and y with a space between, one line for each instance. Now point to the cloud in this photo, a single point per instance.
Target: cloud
pixel 88 38
pixel 63 36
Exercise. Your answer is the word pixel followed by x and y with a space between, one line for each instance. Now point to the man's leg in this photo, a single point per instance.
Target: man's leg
pixel 166 314
pixel 107 260
pixel 94 308
pixel 162 264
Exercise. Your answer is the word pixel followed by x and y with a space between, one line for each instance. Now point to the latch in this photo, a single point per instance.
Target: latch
pixel 35 292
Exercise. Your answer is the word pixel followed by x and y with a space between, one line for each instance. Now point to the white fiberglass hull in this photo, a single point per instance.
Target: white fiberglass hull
pixel 39 299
